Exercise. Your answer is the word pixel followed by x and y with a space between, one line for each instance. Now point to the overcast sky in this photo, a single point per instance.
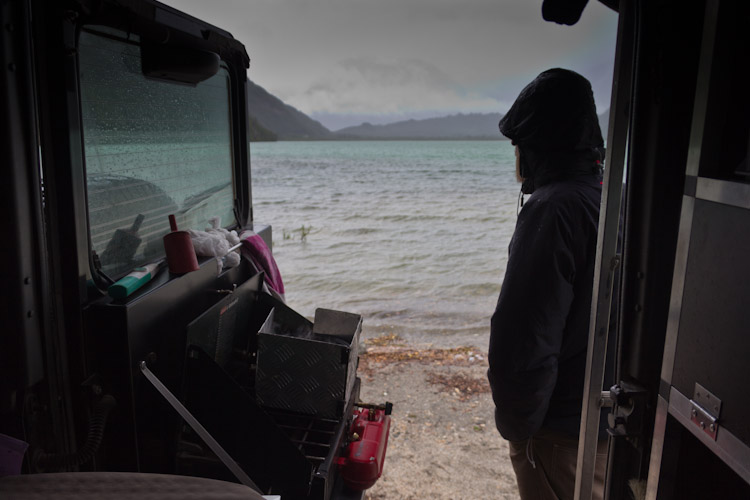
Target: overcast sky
pixel 347 61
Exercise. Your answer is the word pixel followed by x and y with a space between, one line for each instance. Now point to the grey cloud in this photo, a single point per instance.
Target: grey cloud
pixel 399 72
pixel 406 56
pixel 371 85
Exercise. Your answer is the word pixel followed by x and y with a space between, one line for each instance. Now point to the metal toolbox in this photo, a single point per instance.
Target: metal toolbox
pixel 307 367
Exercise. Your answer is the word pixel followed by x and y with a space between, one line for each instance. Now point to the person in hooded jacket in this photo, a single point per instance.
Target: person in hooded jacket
pixel 539 330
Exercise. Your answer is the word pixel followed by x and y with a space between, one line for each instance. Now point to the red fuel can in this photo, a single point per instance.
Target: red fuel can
pixel 362 464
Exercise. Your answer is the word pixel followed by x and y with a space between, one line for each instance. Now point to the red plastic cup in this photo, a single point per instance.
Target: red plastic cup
pixel 178 246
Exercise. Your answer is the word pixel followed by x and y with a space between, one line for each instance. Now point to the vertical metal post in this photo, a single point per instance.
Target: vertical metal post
pixel 661 442
pixel 657 448
pixel 607 259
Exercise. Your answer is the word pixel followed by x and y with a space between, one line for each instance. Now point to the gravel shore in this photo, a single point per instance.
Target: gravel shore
pixel 443 442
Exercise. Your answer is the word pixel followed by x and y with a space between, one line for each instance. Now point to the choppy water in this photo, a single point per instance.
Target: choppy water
pixel 412 235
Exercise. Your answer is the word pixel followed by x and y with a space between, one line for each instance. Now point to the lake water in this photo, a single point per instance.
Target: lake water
pixel 413 235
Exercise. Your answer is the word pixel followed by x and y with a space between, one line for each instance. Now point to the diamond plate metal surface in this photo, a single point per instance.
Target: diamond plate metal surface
pixel 306 375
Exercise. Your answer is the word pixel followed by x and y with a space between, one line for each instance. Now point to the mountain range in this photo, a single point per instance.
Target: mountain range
pixel 269 114
pixel 272 119
pixel 459 126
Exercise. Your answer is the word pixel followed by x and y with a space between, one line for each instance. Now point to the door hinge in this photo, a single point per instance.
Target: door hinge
pixel 705 409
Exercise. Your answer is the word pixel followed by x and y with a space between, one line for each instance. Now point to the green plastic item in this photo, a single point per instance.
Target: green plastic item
pixel 138 277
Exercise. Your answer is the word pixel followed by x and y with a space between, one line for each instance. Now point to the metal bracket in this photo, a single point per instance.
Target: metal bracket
pixel 705 409
pixel 387 407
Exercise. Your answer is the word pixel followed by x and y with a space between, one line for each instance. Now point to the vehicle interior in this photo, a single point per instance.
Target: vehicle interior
pixel 120 113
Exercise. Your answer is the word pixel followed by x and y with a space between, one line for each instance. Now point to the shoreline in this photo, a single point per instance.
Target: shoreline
pixel 443 443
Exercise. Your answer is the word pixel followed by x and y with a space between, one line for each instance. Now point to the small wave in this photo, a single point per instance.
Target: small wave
pixel 409 218
pixel 390 314
pixel 358 231
pixel 342 244
pixel 457 256
pixel 270 203
pixel 480 289
pixel 355 216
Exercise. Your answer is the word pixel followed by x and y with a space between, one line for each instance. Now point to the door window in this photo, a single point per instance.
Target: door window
pixel 152 148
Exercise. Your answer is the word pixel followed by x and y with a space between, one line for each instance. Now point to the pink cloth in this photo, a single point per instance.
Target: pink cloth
pixel 255 249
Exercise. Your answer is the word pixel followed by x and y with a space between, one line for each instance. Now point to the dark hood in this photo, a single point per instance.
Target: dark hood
pixel 554 123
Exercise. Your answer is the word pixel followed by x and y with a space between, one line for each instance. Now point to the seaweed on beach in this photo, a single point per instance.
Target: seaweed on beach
pixel 394 355
pixel 384 340
pixel 462 386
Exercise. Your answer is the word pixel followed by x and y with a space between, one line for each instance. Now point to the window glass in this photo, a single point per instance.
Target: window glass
pixel 152 148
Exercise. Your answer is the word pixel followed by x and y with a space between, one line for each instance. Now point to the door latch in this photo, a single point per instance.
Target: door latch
pixel 629 402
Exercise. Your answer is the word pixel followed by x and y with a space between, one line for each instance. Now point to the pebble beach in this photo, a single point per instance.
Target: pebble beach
pixel 443 443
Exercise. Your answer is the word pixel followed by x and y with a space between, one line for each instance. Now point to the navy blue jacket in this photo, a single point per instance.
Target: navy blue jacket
pixel 539 330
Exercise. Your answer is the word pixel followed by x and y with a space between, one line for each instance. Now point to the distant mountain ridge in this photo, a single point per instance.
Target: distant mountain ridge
pixel 272 119
pixel 459 126
pixel 271 114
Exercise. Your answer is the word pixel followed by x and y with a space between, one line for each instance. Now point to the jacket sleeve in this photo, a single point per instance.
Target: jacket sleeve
pixel 529 320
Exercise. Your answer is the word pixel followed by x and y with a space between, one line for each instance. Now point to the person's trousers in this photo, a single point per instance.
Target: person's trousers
pixel 545 466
